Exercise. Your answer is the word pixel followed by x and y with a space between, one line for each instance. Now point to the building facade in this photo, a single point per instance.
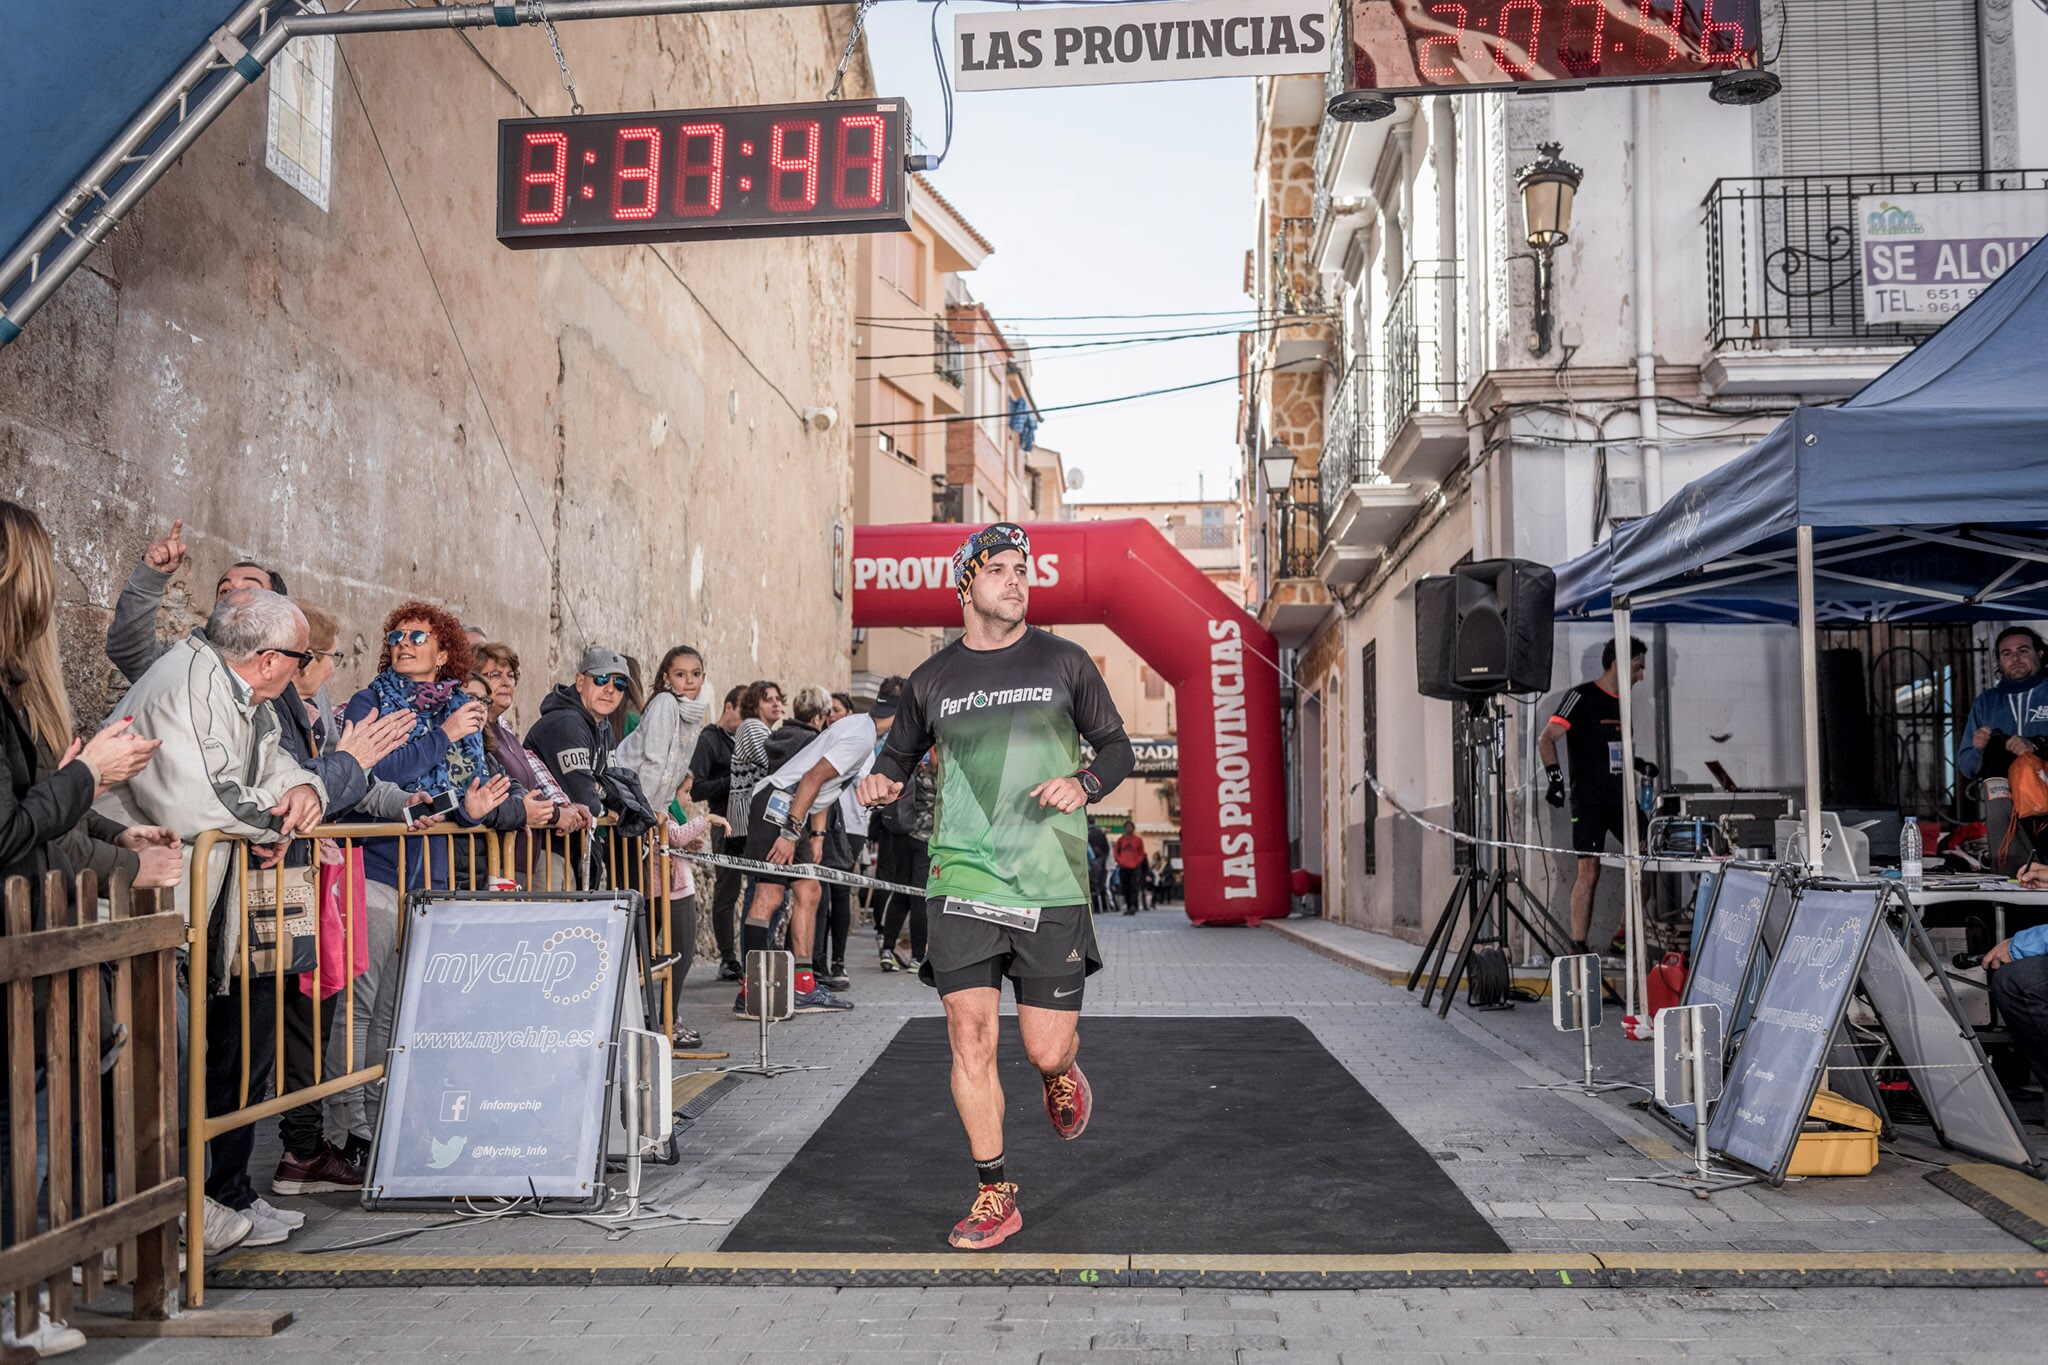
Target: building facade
pixel 307 344
pixel 944 419
pixel 1706 288
pixel 1211 535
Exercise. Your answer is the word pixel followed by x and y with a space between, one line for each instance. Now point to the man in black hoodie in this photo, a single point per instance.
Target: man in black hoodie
pixel 574 735
pixel 574 738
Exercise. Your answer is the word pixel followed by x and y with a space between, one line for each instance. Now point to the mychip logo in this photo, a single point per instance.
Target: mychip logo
pixel 572 965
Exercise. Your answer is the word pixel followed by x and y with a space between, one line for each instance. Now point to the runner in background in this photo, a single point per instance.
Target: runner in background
pixel 1007 707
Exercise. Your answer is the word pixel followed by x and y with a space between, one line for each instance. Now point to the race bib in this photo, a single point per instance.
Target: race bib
pixel 778 809
pixel 1614 755
pixel 1009 916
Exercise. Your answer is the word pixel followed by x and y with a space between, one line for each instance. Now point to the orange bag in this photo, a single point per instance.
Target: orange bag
pixel 2028 778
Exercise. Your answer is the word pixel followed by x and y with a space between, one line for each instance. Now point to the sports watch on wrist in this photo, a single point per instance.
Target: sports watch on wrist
pixel 1090 784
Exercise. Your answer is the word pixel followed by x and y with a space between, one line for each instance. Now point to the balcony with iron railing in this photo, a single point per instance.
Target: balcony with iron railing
pixel 949 356
pixel 1785 276
pixel 1350 454
pixel 1362 508
pixel 1422 396
pixel 1295 602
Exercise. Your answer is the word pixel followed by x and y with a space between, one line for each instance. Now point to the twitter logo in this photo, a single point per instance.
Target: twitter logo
pixel 446 1152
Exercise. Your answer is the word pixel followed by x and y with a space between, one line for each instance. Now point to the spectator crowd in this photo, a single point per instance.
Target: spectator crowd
pixel 242 729
pixel 245 730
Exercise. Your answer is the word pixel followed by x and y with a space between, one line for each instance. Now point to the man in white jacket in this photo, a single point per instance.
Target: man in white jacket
pixel 221 767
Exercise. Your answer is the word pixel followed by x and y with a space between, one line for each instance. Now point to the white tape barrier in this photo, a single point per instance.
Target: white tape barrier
pixel 805 872
pixel 1461 837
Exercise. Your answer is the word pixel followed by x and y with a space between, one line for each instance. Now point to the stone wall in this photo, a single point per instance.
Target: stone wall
pixel 565 447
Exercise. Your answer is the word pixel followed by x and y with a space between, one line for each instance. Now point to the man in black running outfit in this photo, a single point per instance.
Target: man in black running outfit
pixel 1007 707
pixel 1589 718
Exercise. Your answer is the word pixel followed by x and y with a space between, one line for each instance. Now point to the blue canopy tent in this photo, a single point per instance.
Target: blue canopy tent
pixel 1924 497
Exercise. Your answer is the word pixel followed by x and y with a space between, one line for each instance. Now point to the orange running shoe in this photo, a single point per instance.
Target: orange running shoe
pixel 994 1217
pixel 1069 1100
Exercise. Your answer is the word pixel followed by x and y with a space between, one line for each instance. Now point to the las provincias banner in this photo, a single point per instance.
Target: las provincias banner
pixel 1119 44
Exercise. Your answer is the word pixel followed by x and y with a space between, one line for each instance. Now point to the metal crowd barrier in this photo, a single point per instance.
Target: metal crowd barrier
pixel 550 860
pixel 110 1094
pixel 480 863
pixel 543 860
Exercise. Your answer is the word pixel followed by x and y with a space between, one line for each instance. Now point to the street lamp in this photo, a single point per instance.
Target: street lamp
pixel 1548 185
pixel 1278 466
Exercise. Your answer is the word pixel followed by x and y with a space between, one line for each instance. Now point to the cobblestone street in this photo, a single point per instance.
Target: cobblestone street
pixel 1536 1163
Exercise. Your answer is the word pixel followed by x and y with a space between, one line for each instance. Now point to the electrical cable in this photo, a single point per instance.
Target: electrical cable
pixel 1102 317
pixel 1069 407
pixel 454 332
pixel 1106 343
pixel 1114 334
pixel 926 162
pixel 709 316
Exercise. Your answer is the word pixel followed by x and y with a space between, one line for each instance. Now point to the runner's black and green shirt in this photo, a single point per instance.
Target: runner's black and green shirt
pixel 1003 721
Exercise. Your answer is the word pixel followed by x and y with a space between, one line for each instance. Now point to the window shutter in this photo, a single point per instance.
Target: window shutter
pixel 1879 85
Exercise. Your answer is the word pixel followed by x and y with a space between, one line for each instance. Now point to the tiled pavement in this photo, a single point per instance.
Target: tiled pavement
pixel 1535 1162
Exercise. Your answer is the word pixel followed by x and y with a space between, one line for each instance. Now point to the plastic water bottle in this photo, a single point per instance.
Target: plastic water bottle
pixel 1909 851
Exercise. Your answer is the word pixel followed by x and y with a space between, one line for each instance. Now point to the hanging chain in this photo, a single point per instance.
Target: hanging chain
pixel 555 41
pixel 860 18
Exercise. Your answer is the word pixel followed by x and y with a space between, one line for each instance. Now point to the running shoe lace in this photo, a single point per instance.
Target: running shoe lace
pixel 988 1205
pixel 1062 1090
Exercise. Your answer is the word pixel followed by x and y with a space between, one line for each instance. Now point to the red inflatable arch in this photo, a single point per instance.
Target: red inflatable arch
pixel 1124 575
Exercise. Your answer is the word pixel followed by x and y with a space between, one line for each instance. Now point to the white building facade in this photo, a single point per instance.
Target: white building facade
pixel 1709 285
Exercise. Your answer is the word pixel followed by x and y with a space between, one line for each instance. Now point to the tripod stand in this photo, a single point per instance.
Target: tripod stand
pixel 1488 891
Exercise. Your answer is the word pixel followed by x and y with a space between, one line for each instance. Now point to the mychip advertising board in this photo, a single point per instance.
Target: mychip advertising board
pixel 501 1057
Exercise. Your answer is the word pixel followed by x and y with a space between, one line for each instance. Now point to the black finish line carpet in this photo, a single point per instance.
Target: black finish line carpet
pixel 1215 1136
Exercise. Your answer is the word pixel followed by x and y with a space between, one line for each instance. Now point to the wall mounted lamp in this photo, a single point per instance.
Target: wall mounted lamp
pixel 1548 185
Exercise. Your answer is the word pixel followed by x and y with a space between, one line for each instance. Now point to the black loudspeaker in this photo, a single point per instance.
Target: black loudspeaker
pixel 1485 628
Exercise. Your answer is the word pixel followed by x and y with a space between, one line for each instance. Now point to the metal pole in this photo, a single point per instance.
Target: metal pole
pixel 1586 1023
pixel 1631 885
pixel 240 72
pixel 1809 697
pixel 1698 1067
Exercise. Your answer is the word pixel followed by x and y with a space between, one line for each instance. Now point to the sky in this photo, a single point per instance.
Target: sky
pixel 1101 200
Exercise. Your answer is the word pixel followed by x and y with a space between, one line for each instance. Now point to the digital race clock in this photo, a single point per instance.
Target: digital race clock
pixel 769 170
pixel 1415 46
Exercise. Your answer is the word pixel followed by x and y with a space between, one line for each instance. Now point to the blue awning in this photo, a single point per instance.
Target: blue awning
pixel 1927 492
pixel 72 75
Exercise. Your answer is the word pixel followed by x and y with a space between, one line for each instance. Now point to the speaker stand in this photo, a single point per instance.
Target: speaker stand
pixel 1489 895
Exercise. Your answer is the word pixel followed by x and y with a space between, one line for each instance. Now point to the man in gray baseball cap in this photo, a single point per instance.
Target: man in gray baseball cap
pixel 578 725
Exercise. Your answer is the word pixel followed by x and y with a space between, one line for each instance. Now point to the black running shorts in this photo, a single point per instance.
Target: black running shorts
pixel 1045 967
pixel 1591 824
pixel 761 836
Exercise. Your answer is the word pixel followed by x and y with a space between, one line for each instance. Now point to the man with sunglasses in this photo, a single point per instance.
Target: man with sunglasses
pixel 223 766
pixel 578 729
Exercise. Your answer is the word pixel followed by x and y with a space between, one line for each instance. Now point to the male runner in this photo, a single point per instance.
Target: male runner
pixel 1007 706
pixel 1589 718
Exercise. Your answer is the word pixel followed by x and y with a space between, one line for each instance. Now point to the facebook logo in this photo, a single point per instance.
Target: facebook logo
pixel 454 1106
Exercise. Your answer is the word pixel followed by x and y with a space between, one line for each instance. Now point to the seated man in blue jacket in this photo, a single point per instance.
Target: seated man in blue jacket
pixel 2005 721
pixel 2019 983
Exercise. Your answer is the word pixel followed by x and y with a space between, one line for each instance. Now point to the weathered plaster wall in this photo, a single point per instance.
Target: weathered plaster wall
pixel 286 380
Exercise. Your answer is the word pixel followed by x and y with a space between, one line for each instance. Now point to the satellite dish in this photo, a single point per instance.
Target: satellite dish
pixel 1075 479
